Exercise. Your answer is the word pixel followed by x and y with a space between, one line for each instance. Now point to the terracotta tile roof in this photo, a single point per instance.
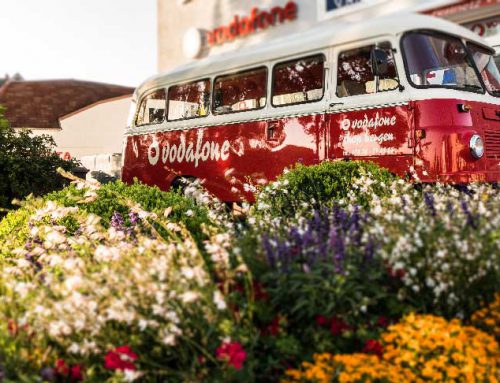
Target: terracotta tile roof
pixel 40 104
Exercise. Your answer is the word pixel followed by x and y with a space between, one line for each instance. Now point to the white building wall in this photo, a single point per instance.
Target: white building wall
pixel 178 18
pixel 97 129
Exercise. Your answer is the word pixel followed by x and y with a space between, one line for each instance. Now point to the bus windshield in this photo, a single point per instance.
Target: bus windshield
pixel 487 67
pixel 439 61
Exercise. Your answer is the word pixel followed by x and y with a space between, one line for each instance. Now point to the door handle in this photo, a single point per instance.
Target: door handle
pixel 334 104
pixel 271 128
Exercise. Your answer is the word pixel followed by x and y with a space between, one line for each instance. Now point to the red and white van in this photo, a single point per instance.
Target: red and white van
pixel 412 92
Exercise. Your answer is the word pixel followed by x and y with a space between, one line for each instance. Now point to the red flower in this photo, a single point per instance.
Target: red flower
pixel 12 327
pixel 273 328
pixel 260 293
pixel 382 321
pixel 398 274
pixel 76 373
pixel 373 347
pixel 121 358
pixel 338 326
pixel 61 367
pixel 321 321
pixel 233 353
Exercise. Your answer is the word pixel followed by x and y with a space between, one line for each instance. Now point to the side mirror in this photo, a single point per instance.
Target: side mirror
pixel 380 62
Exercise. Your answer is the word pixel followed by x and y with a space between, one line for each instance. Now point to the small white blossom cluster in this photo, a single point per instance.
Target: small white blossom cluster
pixel 216 210
pixel 441 241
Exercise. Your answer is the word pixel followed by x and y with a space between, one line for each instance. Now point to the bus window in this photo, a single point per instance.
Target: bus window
pixel 355 72
pixel 152 109
pixel 439 61
pixel 240 91
pixel 190 100
pixel 487 68
pixel 298 81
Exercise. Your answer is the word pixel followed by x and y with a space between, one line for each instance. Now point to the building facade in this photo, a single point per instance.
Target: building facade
pixel 86 119
pixel 192 29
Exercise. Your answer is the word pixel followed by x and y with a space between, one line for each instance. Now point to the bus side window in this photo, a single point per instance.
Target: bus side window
pixel 298 81
pixel 240 91
pixel 189 100
pixel 152 109
pixel 355 73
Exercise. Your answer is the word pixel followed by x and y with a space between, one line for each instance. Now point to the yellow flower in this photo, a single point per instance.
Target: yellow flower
pixel 488 318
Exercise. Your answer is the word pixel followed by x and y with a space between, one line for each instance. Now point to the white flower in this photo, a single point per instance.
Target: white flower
pixel 219 300
pixel 189 213
pixel 74 282
pixel 189 297
pixel 54 237
pixel 131 375
pixel 188 272
pixel 106 254
pixel 169 340
pixel 74 348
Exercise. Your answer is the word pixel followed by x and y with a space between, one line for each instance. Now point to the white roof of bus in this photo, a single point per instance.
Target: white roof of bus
pixel 325 34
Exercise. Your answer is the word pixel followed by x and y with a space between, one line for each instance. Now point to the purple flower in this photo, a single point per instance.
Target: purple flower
pixel 334 234
pixel 429 201
pixel 117 221
pixel 470 218
pixel 48 374
pixel 134 218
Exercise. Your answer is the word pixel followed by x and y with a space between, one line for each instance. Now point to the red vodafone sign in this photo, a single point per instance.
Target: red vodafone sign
pixel 257 20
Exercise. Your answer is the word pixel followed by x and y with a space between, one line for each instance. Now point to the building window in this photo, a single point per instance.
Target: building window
pixel 298 81
pixel 152 109
pixel 189 100
pixel 355 72
pixel 240 91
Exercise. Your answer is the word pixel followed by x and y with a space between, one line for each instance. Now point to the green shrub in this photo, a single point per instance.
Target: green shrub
pixel 150 198
pixel 313 187
pixel 110 199
pixel 27 164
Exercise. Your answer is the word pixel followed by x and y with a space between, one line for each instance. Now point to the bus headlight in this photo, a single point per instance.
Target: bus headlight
pixel 476 145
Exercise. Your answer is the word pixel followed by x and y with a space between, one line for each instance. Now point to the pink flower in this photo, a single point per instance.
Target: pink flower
pixel 233 353
pixel 121 358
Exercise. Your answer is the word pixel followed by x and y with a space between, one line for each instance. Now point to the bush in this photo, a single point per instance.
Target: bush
pixel 355 368
pixel 325 279
pixel 27 164
pixel 116 302
pixel 488 318
pixel 435 349
pixel 418 349
pixel 111 198
pixel 444 242
pixel 313 187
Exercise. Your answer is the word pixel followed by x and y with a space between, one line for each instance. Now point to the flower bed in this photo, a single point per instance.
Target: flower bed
pixel 127 283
